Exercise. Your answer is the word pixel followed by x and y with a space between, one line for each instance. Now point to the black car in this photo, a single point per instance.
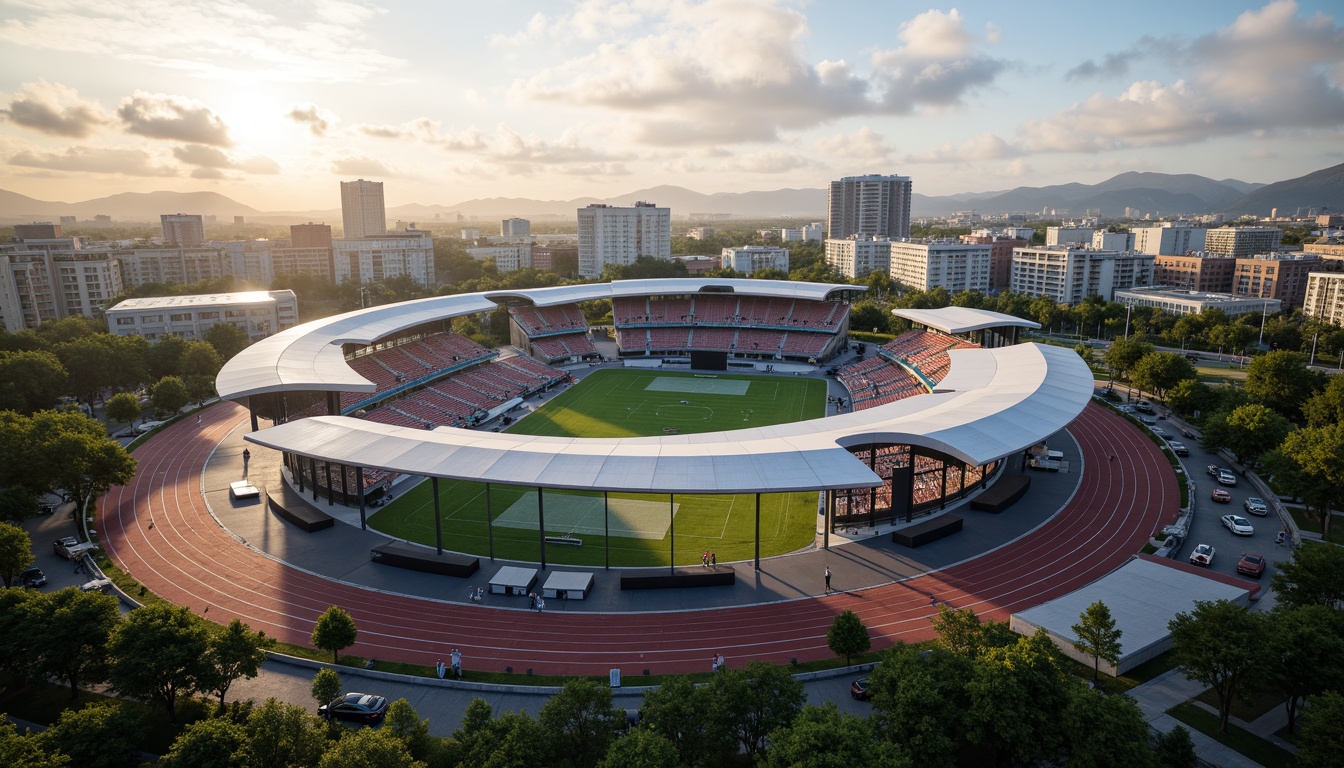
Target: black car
pixel 859 689
pixel 32 576
pixel 362 708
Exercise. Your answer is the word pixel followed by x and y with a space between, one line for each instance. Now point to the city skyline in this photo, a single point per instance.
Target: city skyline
pixel 273 107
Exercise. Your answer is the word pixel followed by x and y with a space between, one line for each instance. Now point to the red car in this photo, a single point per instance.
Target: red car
pixel 1251 564
pixel 1221 496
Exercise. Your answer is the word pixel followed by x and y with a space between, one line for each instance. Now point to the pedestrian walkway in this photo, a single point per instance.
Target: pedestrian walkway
pixel 1169 689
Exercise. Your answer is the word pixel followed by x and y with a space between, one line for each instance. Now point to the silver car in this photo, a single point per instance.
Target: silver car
pixel 1255 506
pixel 1238 525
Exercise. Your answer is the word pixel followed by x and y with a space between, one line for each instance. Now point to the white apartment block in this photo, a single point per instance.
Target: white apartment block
pixel 873 205
pixel 142 266
pixel 1242 242
pixel 1068 235
pixel 700 233
pixel 379 258
pixel 1006 233
pixel 363 213
pixel 38 285
pixel 248 261
pixel 256 313
pixel 857 256
pixel 1112 241
pixel 1325 297
pixel 182 229
pixel 508 258
pixel 814 232
pixel 751 258
pixel 1168 239
pixel 1069 275
pixel 790 235
pixel 469 233
pixel 515 227
pixel 619 236
pixel 940 263
pixel 312 260
pixel 1177 302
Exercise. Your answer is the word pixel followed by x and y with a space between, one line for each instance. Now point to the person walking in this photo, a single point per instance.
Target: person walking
pixel 456 658
pixel 713 561
pixel 828 579
pixel 246 456
pixel 440 669
pixel 541 603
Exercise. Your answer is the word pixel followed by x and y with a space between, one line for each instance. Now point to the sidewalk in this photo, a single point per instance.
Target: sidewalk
pixel 1165 691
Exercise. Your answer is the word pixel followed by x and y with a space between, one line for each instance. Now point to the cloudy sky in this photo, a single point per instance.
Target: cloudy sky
pixel 273 103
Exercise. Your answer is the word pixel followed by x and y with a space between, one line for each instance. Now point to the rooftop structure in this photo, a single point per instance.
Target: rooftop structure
pixel 1175 301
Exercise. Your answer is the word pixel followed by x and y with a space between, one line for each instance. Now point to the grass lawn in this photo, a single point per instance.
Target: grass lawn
pixel 1313 524
pixel 1243 742
pixel 627 529
pixel 1245 710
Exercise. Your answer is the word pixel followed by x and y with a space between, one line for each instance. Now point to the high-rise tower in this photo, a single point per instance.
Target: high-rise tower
pixel 362 211
pixel 875 206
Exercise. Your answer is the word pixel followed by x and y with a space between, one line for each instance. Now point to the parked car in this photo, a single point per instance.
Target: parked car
pixel 1221 496
pixel 859 689
pixel 1255 506
pixel 1214 469
pixel 362 708
pixel 1178 448
pixel 1203 555
pixel 63 546
pixel 1160 432
pixel 1238 525
pixel 1225 477
pixel 148 426
pixel 97 585
pixel 1251 564
pixel 32 576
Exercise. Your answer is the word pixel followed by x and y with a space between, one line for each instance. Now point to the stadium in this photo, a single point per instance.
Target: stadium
pixel 698 419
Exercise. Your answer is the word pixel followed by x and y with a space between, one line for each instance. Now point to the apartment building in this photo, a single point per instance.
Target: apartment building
pixel 1279 276
pixel 1178 302
pixel 40 284
pixel 925 265
pixel 749 259
pixel 1169 239
pixel 387 256
pixel 1242 242
pixel 869 206
pixel 182 229
pixel 256 313
pixel 515 227
pixel 1325 297
pixel 363 213
pixel 1069 275
pixel 859 255
pixel 619 236
pixel 508 258
pixel 1203 272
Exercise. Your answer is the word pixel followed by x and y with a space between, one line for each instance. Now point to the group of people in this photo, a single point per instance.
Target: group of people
pixel 709 559
pixel 717 664
pixel 536 602
pixel 456 658
pixel 475 594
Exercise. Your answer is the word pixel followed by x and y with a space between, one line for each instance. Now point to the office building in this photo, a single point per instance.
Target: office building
pixel 1001 247
pixel 1069 275
pixel 507 258
pixel 1069 235
pixel 1242 242
pixel 1169 239
pixel 619 236
pixel 41 284
pixel 363 213
pixel 257 314
pixel 870 206
pixel 814 232
pixel 857 256
pixel 749 259
pixel 1178 302
pixel 182 229
pixel 469 233
pixel 791 235
pixel 1325 297
pixel 310 235
pixel 1276 276
pixel 1103 240
pixel 38 230
pixel 929 264
pixel 1200 271
pixel 390 255
pixel 515 228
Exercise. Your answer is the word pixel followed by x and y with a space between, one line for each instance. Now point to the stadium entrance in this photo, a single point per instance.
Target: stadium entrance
pixel 917 481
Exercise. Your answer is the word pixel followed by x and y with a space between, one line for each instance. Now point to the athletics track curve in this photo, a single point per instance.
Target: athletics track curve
pixel 159 529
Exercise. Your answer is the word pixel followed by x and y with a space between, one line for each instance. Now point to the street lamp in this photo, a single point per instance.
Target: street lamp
pixel 1128 307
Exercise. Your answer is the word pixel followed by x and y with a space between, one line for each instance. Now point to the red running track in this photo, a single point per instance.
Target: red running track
pixel 186 557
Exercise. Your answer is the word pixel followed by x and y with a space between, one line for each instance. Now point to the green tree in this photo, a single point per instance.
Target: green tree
pixel 20 610
pixel 164 358
pixel 1018 696
pixel 1098 636
pixel 335 631
pixel 1192 397
pixel 280 734
pixel 1314 576
pixel 848 636
pixel 512 740
pixel 1124 354
pixel 200 388
pixel 368 748
pixel 102 735
pixel 867 316
pixel 1105 731
pixel 1282 381
pixel 688 716
pixel 215 742
pixel 756 700
pixel 31 381
pixel 1310 463
pixel 1327 406
pixel 199 358
pixel 1322 740
pixel 72 635
pixel 123 408
pixel 169 395
pixel 160 653
pixel 1201 649
pixel 236 651
pixel 962 632
pixel 71 453
pixel 26 749
pixel 1307 646
pixel 227 339
pixel 920 700
pixel 16 552
pixel 326 686
pixel 823 737
pixel 1085 352
pixel 641 748
pixel 1158 372
pixel 1249 432
pixel 16 502
pixel 580 723
pixel 404 722
pixel 90 364
pixel 1175 749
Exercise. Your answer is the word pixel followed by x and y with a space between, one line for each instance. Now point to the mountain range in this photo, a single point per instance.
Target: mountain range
pixel 1158 194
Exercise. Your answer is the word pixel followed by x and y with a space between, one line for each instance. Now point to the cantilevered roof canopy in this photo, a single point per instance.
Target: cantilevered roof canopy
pixel 962 319
pixel 992 403
pixel 309 356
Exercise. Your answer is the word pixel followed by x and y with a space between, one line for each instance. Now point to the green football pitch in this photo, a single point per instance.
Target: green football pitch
pixel 626 529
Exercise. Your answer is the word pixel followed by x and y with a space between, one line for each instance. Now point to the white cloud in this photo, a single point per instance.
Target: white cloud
pixel 863 144
pixel 770 161
pixel 729 71
pixel 54 109
pixel 161 116
pixel 126 162
pixel 318 120
pixel 985 146
pixel 312 41
pixel 212 159
pixel 426 131
pixel 360 166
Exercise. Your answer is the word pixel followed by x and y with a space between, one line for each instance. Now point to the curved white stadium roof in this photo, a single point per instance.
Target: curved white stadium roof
pixel 962 319
pixel 992 403
pixel 309 356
